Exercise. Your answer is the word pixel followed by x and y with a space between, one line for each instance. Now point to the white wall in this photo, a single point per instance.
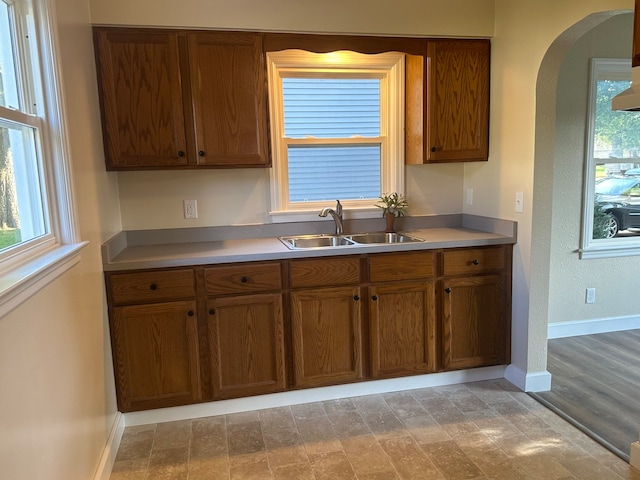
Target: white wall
pixel 614 278
pixel 57 405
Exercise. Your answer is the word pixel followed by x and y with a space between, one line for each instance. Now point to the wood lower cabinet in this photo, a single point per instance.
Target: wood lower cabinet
pixel 245 329
pixel 193 334
pixel 476 307
pixel 246 338
pixel 402 329
pixel 154 336
pixel 402 314
pixel 326 320
pixel 156 355
pixel 327 336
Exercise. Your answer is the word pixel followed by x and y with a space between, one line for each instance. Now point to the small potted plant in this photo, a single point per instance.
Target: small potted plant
pixel 393 205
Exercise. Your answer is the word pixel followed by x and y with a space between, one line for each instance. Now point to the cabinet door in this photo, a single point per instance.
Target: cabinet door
pixel 229 98
pixel 457 100
pixel 475 329
pixel 246 345
pixel 156 355
pixel 139 79
pixel 327 336
pixel 402 329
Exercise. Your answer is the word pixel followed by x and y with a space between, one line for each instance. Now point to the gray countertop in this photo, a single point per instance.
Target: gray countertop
pixel 131 250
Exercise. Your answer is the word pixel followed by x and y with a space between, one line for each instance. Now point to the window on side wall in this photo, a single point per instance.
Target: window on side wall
pixel 37 234
pixel 337 123
pixel 611 224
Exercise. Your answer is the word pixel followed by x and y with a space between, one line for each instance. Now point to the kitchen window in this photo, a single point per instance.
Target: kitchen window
pixel 37 233
pixel 337 122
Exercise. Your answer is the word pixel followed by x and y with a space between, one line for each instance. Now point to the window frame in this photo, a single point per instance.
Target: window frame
pixel 389 67
pixel 28 267
pixel 606 247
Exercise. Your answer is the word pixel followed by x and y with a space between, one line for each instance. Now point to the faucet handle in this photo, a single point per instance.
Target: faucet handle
pixel 338 208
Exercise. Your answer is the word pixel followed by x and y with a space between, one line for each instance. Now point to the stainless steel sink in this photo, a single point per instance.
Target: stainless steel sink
pixel 316 241
pixel 328 241
pixel 382 237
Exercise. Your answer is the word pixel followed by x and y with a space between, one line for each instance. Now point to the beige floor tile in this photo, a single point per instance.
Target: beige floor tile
pixel 245 438
pixel 451 460
pixel 214 468
pixel 253 466
pixel 424 429
pixel 476 431
pixel 298 471
pixel 384 425
pixel 332 466
pixel 404 404
pixel 318 436
pixel 172 434
pixel 366 455
pixel 409 460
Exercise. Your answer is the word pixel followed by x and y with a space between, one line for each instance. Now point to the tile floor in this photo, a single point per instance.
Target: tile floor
pixel 474 431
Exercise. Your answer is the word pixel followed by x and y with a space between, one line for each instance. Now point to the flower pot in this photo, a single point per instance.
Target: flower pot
pixel 390 218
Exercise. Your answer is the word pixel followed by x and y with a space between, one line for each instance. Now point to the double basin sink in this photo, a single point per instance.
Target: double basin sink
pixel 327 241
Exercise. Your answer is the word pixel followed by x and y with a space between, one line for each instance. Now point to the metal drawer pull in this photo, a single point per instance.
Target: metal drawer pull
pixel 153 286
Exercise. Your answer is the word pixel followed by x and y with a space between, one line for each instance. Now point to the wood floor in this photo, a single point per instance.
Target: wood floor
pixel 596 385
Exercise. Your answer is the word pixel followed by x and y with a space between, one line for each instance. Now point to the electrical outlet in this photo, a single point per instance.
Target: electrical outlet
pixel 190 209
pixel 519 202
pixel 469 198
pixel 590 296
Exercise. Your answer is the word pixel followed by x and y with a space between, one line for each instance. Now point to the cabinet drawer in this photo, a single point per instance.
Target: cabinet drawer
pixel 322 272
pixel 149 287
pixel 474 260
pixel 401 266
pixel 249 278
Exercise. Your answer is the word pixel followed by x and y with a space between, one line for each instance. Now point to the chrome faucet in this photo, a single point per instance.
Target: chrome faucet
pixel 336 214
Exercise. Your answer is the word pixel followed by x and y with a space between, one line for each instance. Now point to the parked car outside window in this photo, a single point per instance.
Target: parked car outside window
pixel 619 199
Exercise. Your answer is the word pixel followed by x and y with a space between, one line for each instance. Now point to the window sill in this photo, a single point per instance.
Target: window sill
pixel 609 251
pixel 21 282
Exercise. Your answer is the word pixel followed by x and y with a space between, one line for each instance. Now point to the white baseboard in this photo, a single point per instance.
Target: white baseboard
pixel 308 395
pixel 103 472
pixel 528 382
pixel 635 455
pixel 590 327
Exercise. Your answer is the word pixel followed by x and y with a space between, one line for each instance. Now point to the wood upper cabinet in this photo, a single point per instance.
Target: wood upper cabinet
pixel 476 307
pixel 154 336
pixel 228 88
pixel 326 319
pixel 181 99
pixel 447 117
pixel 245 329
pixel 140 85
pixel 402 314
